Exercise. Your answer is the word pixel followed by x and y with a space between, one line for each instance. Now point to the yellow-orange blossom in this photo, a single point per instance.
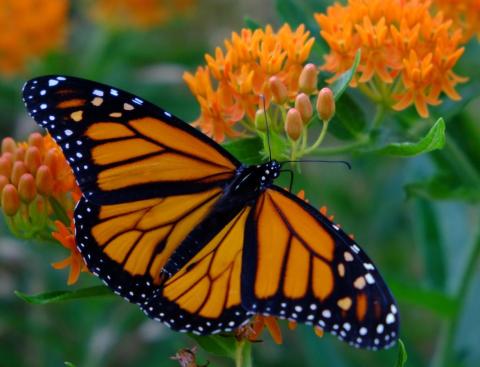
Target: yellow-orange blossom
pixel 407 53
pixel 228 89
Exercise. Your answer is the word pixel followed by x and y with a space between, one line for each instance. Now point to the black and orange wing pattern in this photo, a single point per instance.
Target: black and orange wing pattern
pixel 147 180
pixel 172 222
pixel 127 245
pixel 303 267
pixel 121 147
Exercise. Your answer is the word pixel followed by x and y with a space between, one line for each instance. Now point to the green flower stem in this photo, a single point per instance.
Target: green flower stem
pixel 319 140
pixel 445 350
pixel 364 140
pixel 380 113
pixel 243 354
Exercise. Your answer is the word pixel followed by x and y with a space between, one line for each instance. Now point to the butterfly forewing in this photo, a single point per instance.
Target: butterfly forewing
pixel 121 147
pixel 303 267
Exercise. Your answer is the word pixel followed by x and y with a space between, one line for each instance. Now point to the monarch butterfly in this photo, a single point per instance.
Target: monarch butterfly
pixel 175 224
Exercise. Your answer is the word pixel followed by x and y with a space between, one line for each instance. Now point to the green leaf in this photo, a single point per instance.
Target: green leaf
pixel 433 300
pixel 247 150
pixel 349 120
pixel 59 211
pixel 443 187
pixel 69 364
pixel 224 346
pixel 430 239
pixel 402 354
pixel 341 84
pixel 60 296
pixel 435 139
pixel 251 23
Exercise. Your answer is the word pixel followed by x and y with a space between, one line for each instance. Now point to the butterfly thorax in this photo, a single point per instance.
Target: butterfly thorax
pixel 250 181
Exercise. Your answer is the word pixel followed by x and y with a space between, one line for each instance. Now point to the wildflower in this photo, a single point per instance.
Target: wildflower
pixel 304 106
pixel 256 68
pixel 141 14
pixel 10 200
pixel 465 14
pixel 33 176
pixel 407 53
pixel 325 104
pixel 293 124
pixel 30 28
pixel 260 322
pixel 307 81
pixel 66 237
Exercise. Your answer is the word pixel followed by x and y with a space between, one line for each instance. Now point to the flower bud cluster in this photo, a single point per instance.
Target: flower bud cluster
pixel 33 173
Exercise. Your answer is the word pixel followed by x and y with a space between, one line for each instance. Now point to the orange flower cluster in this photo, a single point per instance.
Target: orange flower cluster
pixel 33 176
pixel 407 53
pixel 30 28
pixel 230 87
pixel 465 14
pixel 36 168
pixel 141 14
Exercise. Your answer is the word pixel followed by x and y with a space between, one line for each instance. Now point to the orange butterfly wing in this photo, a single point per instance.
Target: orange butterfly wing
pixel 122 148
pixel 303 267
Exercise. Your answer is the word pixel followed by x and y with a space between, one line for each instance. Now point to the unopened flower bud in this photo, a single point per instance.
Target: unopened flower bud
pixel 10 200
pixel 308 79
pixel 26 188
pixel 279 90
pixel 32 159
pixel 44 180
pixel 5 165
pixel 293 124
pixel 9 145
pixel 3 181
pixel 35 140
pixel 304 106
pixel 260 120
pixel 325 104
pixel 20 154
pixel 51 160
pixel 18 170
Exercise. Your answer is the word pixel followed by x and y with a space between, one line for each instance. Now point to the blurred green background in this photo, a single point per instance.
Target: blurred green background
pixel 422 246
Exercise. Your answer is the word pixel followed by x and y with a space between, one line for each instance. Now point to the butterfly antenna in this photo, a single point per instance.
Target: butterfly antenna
pixel 268 128
pixel 317 161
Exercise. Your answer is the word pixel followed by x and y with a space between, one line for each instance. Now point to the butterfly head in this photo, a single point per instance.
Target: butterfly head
pixel 268 172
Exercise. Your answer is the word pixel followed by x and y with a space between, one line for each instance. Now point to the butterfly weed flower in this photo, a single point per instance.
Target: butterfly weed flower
pixel 408 54
pixel 256 67
pixel 37 173
pixel 66 237
pixel 261 76
pixel 465 14
pixel 28 34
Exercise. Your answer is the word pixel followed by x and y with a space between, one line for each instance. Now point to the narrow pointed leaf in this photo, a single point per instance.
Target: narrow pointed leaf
pixel 435 139
pixel 60 296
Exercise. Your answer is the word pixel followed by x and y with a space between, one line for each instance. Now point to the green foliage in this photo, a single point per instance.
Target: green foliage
pixel 341 84
pixel 219 345
pixel 435 139
pixel 402 354
pixel 60 296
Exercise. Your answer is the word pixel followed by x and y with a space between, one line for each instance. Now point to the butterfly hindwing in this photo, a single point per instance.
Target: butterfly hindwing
pixel 207 290
pixel 122 148
pixel 303 267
